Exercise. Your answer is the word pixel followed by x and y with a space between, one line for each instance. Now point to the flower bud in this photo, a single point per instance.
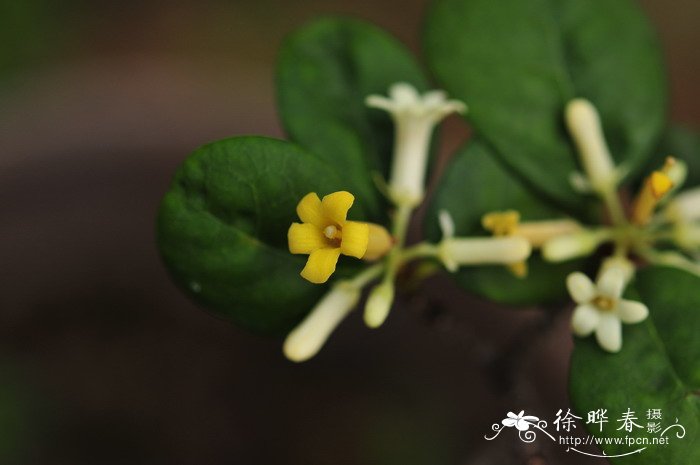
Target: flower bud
pixel 584 125
pixel 456 251
pixel 378 304
pixel 569 246
pixel 309 336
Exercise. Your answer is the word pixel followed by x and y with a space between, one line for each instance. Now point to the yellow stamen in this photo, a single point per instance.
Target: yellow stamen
pixel 604 303
pixel 656 186
pixel 331 232
pixel 501 223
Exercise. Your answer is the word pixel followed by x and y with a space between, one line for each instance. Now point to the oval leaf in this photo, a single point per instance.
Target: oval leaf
pixel 222 229
pixel 473 185
pixel 324 72
pixel 516 64
pixel 657 368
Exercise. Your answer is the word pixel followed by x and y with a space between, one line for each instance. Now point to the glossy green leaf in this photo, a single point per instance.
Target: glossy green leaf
pixel 657 368
pixel 324 72
pixel 474 184
pixel 517 63
pixel 222 229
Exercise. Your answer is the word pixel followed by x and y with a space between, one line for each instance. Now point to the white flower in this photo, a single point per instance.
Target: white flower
pixel 601 308
pixel 309 336
pixel 454 252
pixel 520 421
pixel 584 126
pixel 414 116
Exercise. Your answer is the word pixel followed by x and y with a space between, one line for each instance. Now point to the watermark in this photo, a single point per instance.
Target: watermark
pixel 637 432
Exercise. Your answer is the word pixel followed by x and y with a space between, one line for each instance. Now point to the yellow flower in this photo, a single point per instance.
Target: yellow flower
pixel 325 233
pixel 504 224
pixel 655 187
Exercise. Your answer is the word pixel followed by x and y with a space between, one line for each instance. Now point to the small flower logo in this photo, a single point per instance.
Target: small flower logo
pixel 520 421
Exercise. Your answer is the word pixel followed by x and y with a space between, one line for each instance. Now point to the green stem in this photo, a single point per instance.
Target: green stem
pixel 614 206
pixel 422 250
pixel 399 230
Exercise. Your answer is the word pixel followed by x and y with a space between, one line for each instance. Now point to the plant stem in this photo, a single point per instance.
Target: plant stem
pixel 399 230
pixel 614 207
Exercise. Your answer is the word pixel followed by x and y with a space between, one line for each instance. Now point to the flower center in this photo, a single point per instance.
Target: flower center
pixel 604 303
pixel 331 232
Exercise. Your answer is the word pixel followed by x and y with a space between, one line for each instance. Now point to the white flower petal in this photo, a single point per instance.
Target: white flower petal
pixel 585 319
pixel 609 332
pixel 377 101
pixel 403 94
pixel 434 98
pixel 630 311
pixel 611 282
pixel 509 422
pixel 522 425
pixel 580 287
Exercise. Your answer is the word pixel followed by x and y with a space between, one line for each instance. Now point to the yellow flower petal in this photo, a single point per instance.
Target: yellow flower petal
pixel 660 184
pixel 310 211
pixel 336 206
pixel 320 265
pixel 355 239
pixel 305 238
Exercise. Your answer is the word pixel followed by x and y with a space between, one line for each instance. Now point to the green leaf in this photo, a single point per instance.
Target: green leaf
pixel 475 184
pixel 324 72
pixel 657 368
pixel 517 63
pixel 222 229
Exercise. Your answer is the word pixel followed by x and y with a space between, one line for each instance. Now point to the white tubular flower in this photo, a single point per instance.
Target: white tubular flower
pixel 414 116
pixel 685 207
pixel 378 304
pixel 309 336
pixel 601 308
pixel 569 246
pixel 583 122
pixel 458 251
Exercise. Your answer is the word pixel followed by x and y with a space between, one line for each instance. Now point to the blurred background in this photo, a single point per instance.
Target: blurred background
pixel 103 361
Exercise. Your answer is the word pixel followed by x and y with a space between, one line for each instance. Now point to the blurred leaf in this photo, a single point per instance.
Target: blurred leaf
pixel 516 64
pixel 222 229
pixel 474 184
pixel 658 368
pixel 27 33
pixel 325 71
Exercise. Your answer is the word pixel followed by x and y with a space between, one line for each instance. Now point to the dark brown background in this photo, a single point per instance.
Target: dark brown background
pixel 103 361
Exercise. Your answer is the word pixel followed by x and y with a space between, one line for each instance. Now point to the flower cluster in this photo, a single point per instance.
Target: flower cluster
pixel 325 232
